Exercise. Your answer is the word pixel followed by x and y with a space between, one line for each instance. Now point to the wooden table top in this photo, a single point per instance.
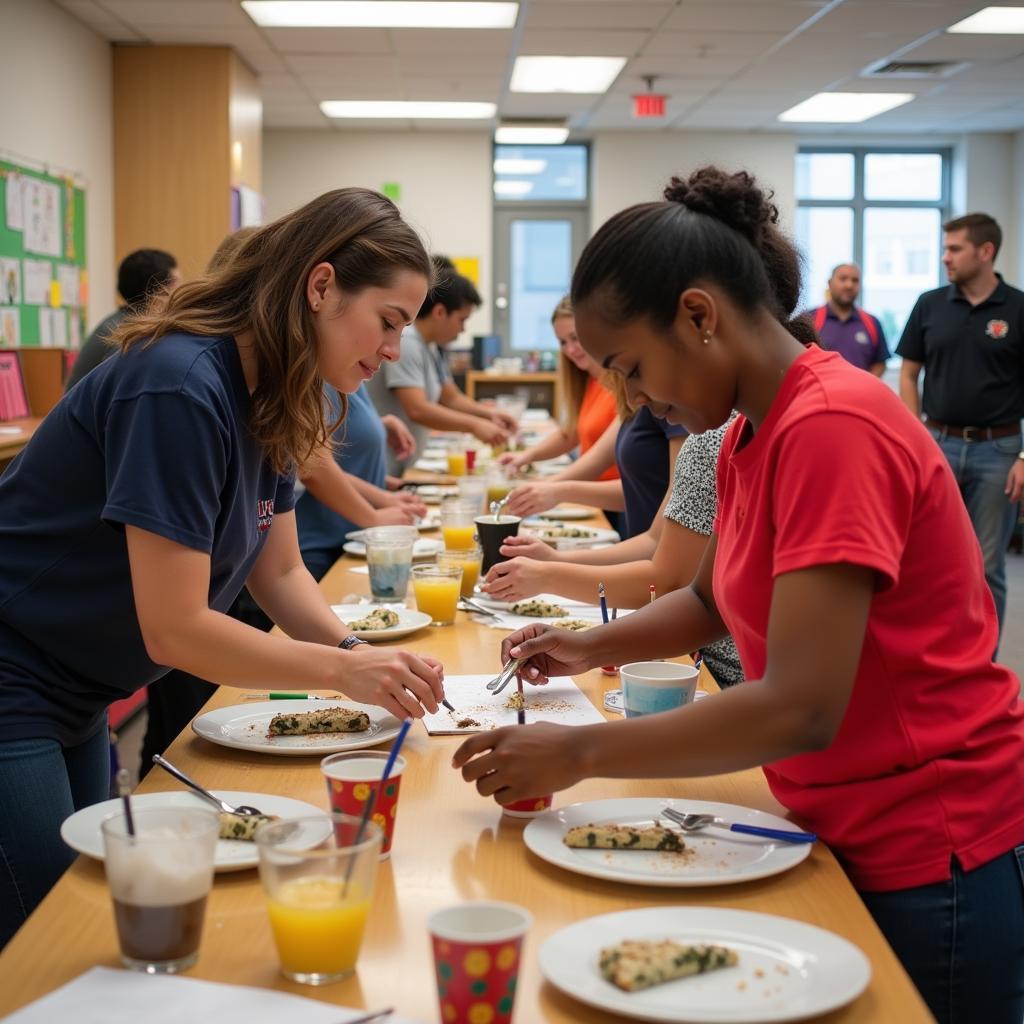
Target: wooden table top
pixel 451 845
pixel 15 434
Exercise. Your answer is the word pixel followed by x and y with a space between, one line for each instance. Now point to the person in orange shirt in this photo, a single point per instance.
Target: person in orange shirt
pixel 588 406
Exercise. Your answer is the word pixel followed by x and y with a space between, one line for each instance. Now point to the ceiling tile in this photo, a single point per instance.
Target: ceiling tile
pixel 686 65
pixel 545 105
pixel 171 13
pixel 582 43
pixel 467 64
pixel 596 15
pixel 718 17
pixel 443 44
pixel 329 40
pixel 712 44
pixel 198 35
pixel 352 65
pixel 967 47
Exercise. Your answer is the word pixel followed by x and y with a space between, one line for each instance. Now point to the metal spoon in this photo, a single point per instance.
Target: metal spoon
pixel 497 506
pixel 242 809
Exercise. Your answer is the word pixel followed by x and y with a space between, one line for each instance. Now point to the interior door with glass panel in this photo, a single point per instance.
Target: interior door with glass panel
pixel 535 253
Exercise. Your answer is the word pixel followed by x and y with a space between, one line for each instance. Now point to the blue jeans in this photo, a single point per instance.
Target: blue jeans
pixel 980 469
pixel 41 784
pixel 962 941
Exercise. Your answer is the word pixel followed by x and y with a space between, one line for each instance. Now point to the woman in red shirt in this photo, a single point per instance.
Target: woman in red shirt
pixel 850 579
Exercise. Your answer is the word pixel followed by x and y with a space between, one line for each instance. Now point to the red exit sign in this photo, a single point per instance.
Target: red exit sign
pixel 649 104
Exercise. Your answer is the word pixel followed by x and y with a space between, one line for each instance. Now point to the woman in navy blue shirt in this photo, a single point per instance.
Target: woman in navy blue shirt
pixel 161 484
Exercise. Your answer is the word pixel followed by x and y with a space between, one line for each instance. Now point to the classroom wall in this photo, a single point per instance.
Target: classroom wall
pixel 445 181
pixel 990 172
pixel 55 78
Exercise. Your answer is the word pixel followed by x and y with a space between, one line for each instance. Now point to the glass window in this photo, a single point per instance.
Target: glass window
pixel 916 176
pixel 825 237
pixel 902 251
pixel 824 176
pixel 540 173
pixel 881 210
pixel 541 269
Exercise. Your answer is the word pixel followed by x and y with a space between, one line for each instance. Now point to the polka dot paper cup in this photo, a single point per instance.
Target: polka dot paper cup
pixel 477 951
pixel 351 778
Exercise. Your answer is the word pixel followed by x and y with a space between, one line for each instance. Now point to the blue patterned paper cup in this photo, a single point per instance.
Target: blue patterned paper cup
pixel 649 687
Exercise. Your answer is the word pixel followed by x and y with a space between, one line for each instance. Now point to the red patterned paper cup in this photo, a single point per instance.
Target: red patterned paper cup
pixel 529 807
pixel 352 776
pixel 477 952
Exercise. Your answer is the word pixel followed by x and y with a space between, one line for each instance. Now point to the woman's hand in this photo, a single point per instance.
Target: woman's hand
pixel 529 499
pixel 547 651
pixel 520 761
pixel 489 432
pixel 394 515
pixel 504 421
pixel 400 439
pixel 406 684
pixel 513 461
pixel 528 546
pixel 517 579
pixel 406 500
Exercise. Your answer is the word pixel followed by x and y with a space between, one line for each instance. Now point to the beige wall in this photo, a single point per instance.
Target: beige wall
pixel 633 168
pixel 56 82
pixel 445 179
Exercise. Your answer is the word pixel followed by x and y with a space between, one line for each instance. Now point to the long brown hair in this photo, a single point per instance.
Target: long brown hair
pixel 262 289
pixel 572 380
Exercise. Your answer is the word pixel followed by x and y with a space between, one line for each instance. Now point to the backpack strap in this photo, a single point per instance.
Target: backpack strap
pixel 870 325
pixel 819 318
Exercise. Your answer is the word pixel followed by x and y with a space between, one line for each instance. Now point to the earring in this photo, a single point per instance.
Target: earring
pixel 316 308
pixel 707 337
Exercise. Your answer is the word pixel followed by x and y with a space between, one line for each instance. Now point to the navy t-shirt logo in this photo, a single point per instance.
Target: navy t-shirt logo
pixel 264 514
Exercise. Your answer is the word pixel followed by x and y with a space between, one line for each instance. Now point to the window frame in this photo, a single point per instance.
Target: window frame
pixel 859 204
pixel 542 204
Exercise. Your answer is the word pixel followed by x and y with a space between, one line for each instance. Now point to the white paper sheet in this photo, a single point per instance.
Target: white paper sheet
pixel 561 701
pixel 67 274
pixel 59 327
pixel 38 274
pixel 10 282
pixel 14 202
pixel 41 205
pixel 45 328
pixel 106 996
pixel 10 327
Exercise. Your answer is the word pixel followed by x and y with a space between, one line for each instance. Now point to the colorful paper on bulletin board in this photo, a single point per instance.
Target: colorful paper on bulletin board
pixel 468 266
pixel 42 230
pixel 393 190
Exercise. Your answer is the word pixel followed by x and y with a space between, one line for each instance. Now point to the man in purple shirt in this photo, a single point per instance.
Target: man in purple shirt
pixel 842 327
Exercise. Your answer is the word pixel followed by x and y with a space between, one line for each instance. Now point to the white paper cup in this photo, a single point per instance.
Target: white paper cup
pixel 650 687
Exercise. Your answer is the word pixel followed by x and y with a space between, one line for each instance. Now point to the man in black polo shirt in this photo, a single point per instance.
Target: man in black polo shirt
pixel 969 339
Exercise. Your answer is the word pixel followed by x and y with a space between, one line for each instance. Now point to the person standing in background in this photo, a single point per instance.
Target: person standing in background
pixel 842 327
pixel 141 275
pixel 418 387
pixel 969 340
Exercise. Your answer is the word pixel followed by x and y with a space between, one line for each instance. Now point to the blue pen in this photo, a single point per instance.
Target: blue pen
pixel 602 602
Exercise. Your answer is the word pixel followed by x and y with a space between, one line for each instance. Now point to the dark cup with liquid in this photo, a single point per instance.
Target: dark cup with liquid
pixel 159 880
pixel 493 532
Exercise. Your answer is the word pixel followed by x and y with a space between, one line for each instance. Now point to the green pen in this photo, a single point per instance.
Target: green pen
pixel 280 695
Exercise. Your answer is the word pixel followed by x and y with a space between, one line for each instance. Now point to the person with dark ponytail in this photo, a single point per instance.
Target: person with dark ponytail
pixel 844 566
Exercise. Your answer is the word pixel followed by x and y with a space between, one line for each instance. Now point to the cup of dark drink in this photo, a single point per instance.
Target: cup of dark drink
pixel 159 879
pixel 492 532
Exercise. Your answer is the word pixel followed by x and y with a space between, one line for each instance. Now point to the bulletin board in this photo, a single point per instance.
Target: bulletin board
pixel 44 285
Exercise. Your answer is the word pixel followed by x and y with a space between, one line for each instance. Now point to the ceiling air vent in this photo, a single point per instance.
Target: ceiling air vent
pixel 915 69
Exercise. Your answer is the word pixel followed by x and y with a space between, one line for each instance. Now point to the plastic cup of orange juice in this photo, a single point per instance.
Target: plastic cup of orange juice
pixel 468 560
pixel 318 875
pixel 457 525
pixel 437 589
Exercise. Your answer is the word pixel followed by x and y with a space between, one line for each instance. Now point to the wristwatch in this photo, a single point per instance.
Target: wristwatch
pixel 350 641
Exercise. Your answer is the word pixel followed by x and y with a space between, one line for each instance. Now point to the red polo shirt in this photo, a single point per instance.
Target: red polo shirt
pixel 928 762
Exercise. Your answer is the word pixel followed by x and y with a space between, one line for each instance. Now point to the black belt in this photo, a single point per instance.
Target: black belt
pixel 974 433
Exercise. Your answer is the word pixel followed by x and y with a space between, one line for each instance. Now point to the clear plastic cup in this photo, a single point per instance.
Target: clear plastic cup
pixel 437 589
pixel 389 560
pixel 318 875
pixel 457 528
pixel 468 560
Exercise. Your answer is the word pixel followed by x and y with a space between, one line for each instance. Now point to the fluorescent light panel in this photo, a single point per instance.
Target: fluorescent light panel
pixel 416 109
pixel 380 14
pixel 565 74
pixel 530 135
pixel 844 107
pixel 993 21
pixel 513 189
pixel 510 165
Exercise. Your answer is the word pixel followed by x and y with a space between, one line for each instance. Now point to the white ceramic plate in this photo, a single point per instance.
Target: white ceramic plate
pixel 787 970
pixel 423 548
pixel 409 621
pixel 82 830
pixel 431 465
pixel 595 535
pixel 428 523
pixel 714 856
pixel 563 513
pixel 503 606
pixel 244 727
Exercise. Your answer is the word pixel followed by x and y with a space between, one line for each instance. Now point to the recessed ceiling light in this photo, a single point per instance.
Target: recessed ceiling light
pixel 509 165
pixel 408 109
pixel 512 189
pixel 531 134
pixel 845 107
pixel 380 14
pixel 565 74
pixel 995 21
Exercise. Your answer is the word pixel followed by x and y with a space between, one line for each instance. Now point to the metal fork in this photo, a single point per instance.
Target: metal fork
pixel 696 822
pixel 242 809
pixel 505 676
pixel 469 605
